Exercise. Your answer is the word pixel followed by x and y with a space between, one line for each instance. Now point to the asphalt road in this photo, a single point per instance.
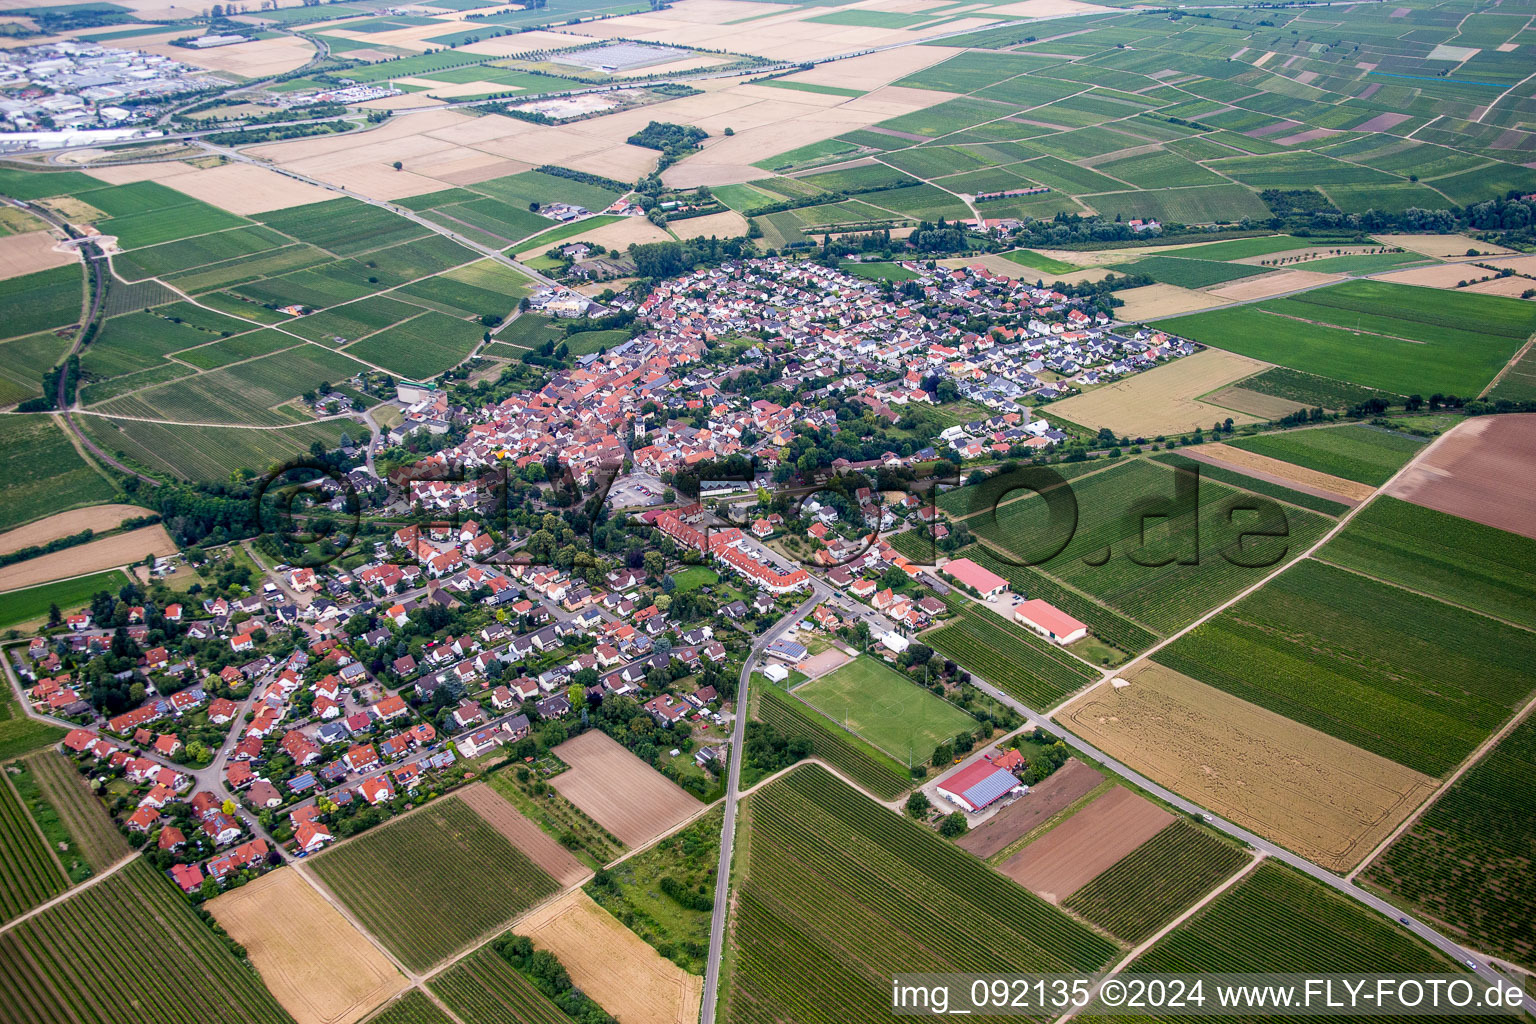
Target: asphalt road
pixel 819 593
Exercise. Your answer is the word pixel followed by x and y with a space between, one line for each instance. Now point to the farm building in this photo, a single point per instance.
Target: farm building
pixel 986 583
pixel 978 785
pixel 1050 622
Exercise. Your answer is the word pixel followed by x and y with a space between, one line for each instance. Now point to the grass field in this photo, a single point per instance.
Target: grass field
pixel 1401 675
pixel 18 606
pixel 1466 862
pixel 1034 261
pixel 1156 882
pixel 893 713
pixel 1397 338
pixel 1364 454
pixel 92 833
pixel 850 755
pixel 1277 920
pixel 42 472
pixel 1010 657
pixel 693 577
pixel 148 948
pixel 1448 557
pixel 431 859
pixel 29 873
pixel 1189 273
pixel 816 920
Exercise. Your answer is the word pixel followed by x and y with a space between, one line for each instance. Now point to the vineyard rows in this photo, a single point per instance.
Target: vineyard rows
pixel 1010 659
pixel 1468 862
pixel 1277 920
pixel 484 988
pixel 412 1008
pixel 864 764
pixel 1098 558
pixel 838 893
pixel 127 949
pixel 90 827
pixel 414 882
pixel 1156 881
pixel 28 873
pixel 1399 674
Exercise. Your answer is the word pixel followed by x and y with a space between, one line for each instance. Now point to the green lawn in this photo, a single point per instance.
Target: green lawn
pixel 692 578
pixel 18 606
pixel 876 703
pixel 1034 261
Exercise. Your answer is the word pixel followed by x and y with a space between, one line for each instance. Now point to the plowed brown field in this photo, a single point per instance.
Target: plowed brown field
pixel 1483 470
pixel 621 792
pixel 1070 783
pixel 524 834
pixel 1087 844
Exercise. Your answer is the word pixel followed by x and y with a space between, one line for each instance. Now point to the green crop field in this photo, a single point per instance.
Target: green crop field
pixel 1402 675
pixel 856 759
pixel 237 349
pixel 432 858
pixel 1465 863
pixel 420 348
pixel 484 988
pixel 1010 657
pixel 1398 338
pixel 1241 480
pixel 1312 390
pixel 137 341
pixel 1455 559
pixel 353 320
pixel 1034 261
pixel 23 363
pixel 18 606
pixel 834 891
pixel 1189 273
pixel 891 712
pixel 345 226
pixel 412 1008
pixel 91 830
pixel 156 226
pixel 1154 883
pixel 1277 920
pixel 42 472
pixel 200 251
pixel 29 872
pixel 41 301
pixel 147 948
pixel 1162 571
pixel 1364 454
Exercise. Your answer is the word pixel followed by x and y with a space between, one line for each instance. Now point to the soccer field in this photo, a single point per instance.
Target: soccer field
pixel 875 702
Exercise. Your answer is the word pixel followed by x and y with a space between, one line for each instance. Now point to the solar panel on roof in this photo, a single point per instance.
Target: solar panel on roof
pixel 990 788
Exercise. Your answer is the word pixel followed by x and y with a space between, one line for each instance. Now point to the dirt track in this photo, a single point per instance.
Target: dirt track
pixel 1087 844
pixel 1070 783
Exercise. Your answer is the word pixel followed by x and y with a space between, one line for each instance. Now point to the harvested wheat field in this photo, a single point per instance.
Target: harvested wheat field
pixel 1312 253
pixel 107 553
pixel 315 962
pixel 621 792
pixel 729 224
pixel 1067 785
pixel 1266 285
pixel 96 517
pixel 1087 844
pixel 612 964
pixel 1265 407
pixel 258 59
pixel 1440 246
pixel 1288 474
pixel 1514 287
pixel 1319 796
pixel 1440 275
pixel 547 854
pixel 246 188
pixel 1164 400
pixel 33 251
pixel 1483 470
pixel 1151 301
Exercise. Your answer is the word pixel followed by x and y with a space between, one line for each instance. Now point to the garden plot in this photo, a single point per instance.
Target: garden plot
pixel 619 791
